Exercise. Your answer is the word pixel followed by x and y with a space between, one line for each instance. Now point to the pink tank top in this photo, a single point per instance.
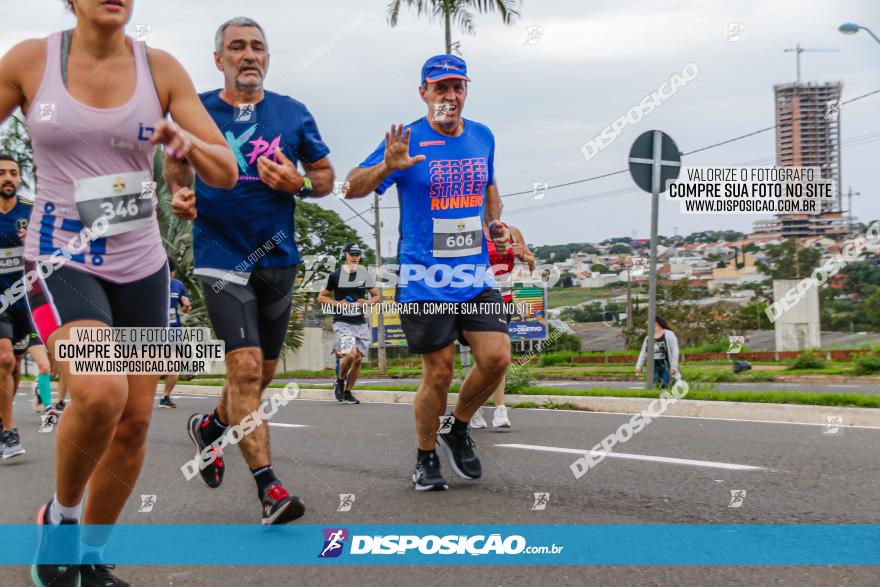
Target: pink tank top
pixel 101 155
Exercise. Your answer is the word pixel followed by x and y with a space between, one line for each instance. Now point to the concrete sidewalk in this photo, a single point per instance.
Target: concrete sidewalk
pixel 787 413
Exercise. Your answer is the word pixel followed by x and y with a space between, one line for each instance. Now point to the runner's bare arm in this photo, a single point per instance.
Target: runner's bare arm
pixel 364 180
pixel 197 138
pixel 499 233
pixel 521 249
pixel 14 68
pixel 374 296
pixel 178 174
pixel 325 299
pixel 322 175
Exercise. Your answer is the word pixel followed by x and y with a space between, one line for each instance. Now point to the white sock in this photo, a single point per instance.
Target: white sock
pixel 57 511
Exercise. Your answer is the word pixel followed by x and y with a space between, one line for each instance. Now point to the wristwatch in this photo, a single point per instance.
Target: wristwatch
pixel 306 189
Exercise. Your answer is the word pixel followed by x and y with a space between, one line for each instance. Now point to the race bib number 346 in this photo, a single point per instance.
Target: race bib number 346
pixel 117 198
pixel 457 237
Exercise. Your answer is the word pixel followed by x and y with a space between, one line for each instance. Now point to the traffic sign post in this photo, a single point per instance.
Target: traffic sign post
pixel 654 159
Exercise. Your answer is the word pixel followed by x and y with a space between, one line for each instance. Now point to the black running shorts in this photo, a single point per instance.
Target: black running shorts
pixel 431 326
pixel 252 315
pixel 15 324
pixel 69 294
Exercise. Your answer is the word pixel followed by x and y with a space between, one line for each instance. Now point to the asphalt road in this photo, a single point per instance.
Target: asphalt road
pixel 861 388
pixel 368 450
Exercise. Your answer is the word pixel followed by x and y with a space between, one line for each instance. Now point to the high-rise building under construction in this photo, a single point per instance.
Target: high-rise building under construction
pixel 808 130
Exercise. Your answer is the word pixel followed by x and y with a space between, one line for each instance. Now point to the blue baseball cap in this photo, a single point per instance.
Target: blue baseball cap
pixel 440 67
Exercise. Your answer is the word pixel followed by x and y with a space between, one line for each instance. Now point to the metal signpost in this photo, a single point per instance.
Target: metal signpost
pixel 654 159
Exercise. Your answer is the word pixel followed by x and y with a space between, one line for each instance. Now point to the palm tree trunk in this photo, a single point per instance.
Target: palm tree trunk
pixel 448 17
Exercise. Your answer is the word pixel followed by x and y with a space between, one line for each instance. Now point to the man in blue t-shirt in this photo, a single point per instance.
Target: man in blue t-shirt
pixel 444 169
pixel 15 319
pixel 178 302
pixel 243 243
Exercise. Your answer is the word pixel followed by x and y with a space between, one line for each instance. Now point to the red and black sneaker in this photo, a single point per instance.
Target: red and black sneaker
pixel 279 507
pixel 212 474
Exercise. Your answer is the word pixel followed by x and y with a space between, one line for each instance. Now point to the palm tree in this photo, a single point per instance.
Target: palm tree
pixel 461 12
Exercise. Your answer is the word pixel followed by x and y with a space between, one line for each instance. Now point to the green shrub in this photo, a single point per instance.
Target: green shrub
pixel 557 358
pixel 517 380
pixel 808 360
pixel 867 364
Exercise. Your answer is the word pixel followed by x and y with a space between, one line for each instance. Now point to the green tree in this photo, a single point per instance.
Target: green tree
pixel 619 249
pixel 322 232
pixel 599 267
pixel 458 12
pixel 789 260
pixel 16 141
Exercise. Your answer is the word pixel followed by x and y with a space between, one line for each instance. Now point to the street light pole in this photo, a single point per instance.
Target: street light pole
pixel 849 28
pixel 380 339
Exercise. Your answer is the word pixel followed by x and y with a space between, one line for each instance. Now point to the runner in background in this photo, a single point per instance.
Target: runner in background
pixel 502 258
pixel 15 319
pixel 178 301
pixel 244 245
pixel 43 381
pixel 95 102
pixel 349 288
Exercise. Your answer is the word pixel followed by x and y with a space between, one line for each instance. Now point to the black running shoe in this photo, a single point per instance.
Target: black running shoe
pixel 55 575
pixel 339 390
pixel 212 474
pixel 347 398
pixel 166 402
pixel 60 406
pixel 427 476
pixel 460 449
pixel 279 507
pixel 100 576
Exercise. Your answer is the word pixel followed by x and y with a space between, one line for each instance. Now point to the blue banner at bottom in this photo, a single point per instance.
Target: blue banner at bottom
pixel 525 544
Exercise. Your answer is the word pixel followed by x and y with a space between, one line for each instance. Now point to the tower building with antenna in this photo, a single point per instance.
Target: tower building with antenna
pixel 808 135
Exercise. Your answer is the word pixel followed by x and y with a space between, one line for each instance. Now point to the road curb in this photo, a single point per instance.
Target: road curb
pixel 783 413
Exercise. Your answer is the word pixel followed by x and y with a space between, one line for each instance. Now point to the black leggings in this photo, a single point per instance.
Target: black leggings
pixel 69 294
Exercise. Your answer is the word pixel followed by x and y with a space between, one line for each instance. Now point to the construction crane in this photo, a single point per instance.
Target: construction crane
pixel 798 50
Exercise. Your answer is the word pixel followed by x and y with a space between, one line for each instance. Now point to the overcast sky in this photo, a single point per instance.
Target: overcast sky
pixel 594 61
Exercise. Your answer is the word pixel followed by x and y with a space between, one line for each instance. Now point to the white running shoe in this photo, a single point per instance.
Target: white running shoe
pixel 478 421
pixel 500 419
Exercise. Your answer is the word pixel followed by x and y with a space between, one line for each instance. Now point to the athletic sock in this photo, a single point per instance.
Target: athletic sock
pixel 424 453
pixel 264 476
pixel 57 511
pixel 214 428
pixel 459 425
pixel 91 554
pixel 44 386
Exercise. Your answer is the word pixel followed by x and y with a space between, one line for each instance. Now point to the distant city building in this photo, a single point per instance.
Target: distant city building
pixel 808 135
pixel 830 224
pixel 808 130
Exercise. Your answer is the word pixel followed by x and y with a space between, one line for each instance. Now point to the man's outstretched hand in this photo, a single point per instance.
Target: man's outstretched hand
pixel 397 149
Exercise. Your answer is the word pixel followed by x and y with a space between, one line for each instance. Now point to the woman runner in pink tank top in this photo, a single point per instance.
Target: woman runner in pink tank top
pixel 95 103
pixel 502 262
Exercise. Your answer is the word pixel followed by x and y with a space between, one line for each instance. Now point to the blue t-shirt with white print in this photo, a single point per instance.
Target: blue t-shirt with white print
pixel 441 212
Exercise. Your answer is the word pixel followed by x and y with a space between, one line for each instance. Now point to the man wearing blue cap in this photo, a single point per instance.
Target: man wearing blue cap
pixel 443 166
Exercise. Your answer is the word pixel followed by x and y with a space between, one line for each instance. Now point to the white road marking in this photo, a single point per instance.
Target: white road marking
pixel 847 385
pixel 283 425
pixel 633 457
